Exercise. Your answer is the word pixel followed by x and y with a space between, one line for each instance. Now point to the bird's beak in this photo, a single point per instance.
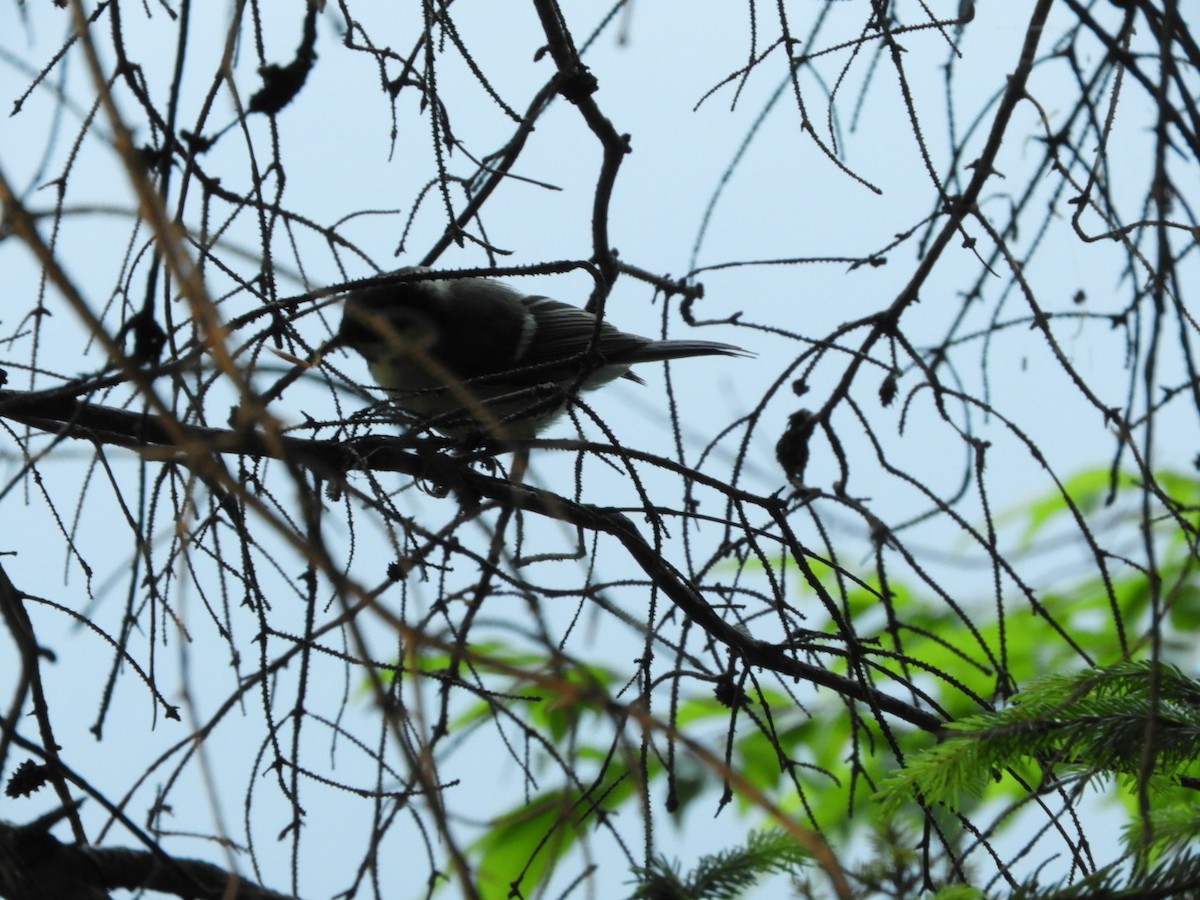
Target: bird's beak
pixel 337 342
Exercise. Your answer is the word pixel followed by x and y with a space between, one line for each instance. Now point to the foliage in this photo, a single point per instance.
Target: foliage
pixel 1067 730
pixel 1095 723
pixel 721 876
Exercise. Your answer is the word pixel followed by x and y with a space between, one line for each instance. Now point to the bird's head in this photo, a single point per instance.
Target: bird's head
pixel 386 320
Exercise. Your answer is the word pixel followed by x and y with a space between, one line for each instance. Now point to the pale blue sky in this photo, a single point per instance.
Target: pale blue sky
pixel 785 200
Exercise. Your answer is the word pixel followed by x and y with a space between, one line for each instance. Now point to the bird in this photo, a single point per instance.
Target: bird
pixel 472 355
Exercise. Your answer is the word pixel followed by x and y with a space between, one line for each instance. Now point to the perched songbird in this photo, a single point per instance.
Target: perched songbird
pixel 474 355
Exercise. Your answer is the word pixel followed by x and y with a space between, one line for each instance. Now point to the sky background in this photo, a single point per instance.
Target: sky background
pixel 784 200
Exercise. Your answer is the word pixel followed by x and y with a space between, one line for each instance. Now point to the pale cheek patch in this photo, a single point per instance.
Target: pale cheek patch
pixel 525 339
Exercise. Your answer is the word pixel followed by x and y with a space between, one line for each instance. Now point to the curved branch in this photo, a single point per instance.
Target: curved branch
pixel 63 414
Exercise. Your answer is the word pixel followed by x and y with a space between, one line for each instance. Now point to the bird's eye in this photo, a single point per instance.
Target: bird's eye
pixel 364 325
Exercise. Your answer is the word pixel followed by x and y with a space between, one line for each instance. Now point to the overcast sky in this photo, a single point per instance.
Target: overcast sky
pixel 784 200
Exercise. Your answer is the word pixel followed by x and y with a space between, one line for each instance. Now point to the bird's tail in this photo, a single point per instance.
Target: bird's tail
pixel 657 351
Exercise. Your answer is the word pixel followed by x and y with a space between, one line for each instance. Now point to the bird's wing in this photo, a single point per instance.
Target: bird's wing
pixel 489 317
pixel 566 332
